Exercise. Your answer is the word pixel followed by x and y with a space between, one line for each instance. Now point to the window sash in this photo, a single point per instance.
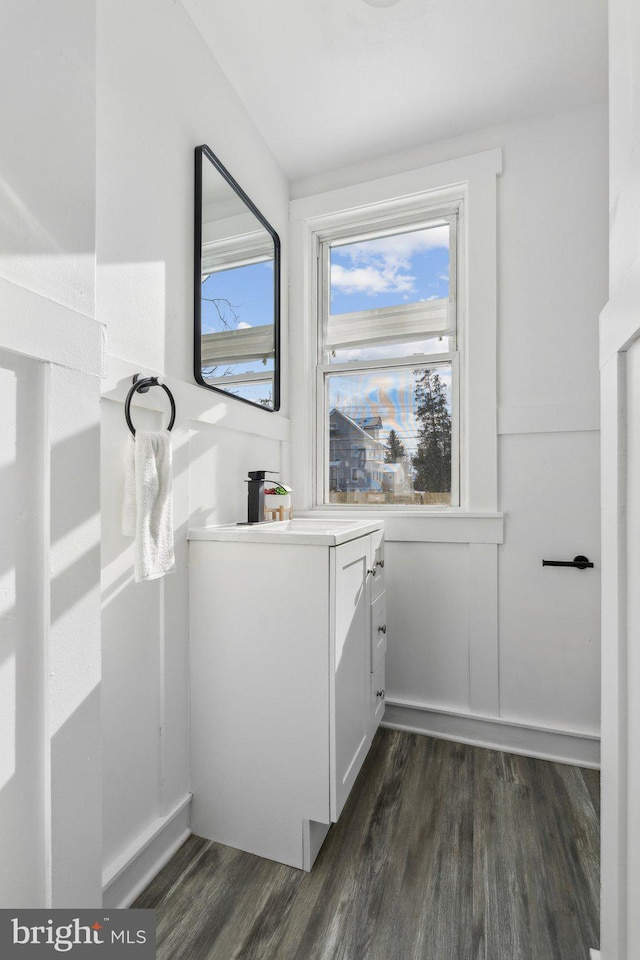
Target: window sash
pixel 322 467
pixel 348 229
pixel 389 363
pixel 238 346
pixel 389 324
pixel 394 324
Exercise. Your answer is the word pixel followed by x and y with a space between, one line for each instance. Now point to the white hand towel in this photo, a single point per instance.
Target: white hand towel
pixel 129 505
pixel 148 505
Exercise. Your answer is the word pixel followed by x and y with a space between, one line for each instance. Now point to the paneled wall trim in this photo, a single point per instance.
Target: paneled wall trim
pixel 66 337
pixel 124 878
pixel 449 527
pixel 564 746
pixel 64 582
pixel 549 417
pixel 193 402
pixel 417 526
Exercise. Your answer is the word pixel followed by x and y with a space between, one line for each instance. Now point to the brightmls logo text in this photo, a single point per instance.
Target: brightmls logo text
pixel 41 933
pixel 62 938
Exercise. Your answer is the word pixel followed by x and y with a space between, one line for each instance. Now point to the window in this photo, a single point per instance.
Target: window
pixel 399 336
pixel 388 361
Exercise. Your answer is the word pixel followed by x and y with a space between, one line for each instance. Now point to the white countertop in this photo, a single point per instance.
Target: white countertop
pixel 297 531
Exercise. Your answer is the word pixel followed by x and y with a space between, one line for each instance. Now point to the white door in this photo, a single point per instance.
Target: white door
pixel 620 918
pixel 620 401
pixel 349 666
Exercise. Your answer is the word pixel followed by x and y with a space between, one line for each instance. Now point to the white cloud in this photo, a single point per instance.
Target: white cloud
pixel 399 247
pixel 371 279
pixel 381 265
pixel 244 326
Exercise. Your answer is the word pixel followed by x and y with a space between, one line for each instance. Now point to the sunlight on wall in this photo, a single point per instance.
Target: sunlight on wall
pixel 8 388
pixel 8 452
pixel 131 299
pixel 7 593
pixel 8 718
pixel 16 211
pixel 31 256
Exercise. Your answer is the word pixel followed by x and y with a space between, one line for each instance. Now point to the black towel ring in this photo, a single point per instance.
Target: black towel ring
pixel 142 385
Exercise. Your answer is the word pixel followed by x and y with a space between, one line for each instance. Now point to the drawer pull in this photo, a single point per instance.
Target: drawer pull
pixel 383 628
pixel 372 571
pixel 380 693
pixel 379 563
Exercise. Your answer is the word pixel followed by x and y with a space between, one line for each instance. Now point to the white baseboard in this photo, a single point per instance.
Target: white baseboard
pixel 595 954
pixel 562 746
pixel 125 877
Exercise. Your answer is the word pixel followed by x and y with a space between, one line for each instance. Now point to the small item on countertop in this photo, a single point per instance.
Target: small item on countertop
pixel 277 502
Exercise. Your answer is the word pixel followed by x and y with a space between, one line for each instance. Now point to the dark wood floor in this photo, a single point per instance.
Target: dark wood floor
pixel 443 852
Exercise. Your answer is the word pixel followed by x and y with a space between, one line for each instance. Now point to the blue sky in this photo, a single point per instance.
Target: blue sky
pixel 250 291
pixel 390 271
pixel 248 288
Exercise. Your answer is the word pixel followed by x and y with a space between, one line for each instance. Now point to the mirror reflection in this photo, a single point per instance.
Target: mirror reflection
pixel 237 289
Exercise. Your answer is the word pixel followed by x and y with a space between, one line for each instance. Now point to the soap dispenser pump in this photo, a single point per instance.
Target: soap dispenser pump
pixel 255 498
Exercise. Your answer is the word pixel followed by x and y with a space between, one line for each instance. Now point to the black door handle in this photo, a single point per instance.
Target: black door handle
pixel 580 562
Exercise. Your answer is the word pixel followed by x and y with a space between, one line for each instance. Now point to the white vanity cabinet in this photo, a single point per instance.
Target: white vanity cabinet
pixel 287 680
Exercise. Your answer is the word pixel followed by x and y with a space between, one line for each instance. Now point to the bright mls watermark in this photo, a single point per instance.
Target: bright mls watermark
pixel 78 933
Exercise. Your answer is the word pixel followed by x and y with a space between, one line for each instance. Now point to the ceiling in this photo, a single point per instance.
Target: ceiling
pixel 330 83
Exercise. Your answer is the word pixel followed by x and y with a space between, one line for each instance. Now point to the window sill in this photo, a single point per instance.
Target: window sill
pixel 444 525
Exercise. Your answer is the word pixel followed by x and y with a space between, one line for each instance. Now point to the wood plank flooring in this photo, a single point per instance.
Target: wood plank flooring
pixel 443 852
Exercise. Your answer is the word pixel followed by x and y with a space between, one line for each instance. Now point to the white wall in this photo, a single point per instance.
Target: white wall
pixel 539 691
pixel 624 181
pixel 50 363
pixel 21 714
pixel 160 94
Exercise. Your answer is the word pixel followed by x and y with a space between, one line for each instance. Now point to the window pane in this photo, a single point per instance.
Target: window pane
pixel 404 268
pixel 382 351
pixel 390 436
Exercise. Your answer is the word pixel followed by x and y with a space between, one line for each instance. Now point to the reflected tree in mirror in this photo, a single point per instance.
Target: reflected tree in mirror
pixel 237 289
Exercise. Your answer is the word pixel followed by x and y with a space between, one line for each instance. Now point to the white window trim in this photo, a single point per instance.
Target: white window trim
pixel 473 180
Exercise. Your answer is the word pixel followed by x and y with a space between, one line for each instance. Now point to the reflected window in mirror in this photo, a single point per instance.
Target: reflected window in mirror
pixel 237 289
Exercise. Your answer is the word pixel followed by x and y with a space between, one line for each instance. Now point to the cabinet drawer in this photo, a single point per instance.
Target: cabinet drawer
pixel 377 695
pixel 377 563
pixel 378 630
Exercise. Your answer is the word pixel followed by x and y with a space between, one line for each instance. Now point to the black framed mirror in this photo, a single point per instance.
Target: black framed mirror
pixel 236 342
